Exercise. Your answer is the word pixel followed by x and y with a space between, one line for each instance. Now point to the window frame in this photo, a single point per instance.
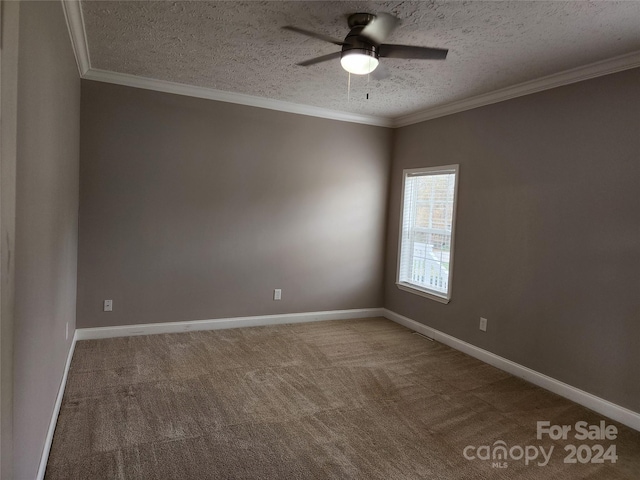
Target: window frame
pixel 416 289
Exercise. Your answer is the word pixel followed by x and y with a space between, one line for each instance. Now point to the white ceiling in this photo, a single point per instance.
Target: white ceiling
pixel 239 47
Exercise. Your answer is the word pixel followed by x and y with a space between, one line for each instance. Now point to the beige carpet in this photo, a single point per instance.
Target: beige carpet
pixel 362 399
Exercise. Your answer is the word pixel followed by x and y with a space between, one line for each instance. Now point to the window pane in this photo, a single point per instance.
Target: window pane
pixel 427 225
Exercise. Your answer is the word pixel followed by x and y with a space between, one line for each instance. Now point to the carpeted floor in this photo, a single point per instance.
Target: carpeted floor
pixel 363 399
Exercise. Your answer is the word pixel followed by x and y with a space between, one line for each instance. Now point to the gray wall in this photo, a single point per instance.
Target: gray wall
pixel 48 115
pixel 8 146
pixel 193 209
pixel 547 231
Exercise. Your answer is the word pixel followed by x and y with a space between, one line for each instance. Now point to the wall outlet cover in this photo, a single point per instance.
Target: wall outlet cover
pixel 483 324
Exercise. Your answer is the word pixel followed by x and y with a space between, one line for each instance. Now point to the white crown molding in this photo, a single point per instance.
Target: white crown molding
pixel 604 67
pixel 223 323
pixel 586 399
pixel 75 24
pixel 231 97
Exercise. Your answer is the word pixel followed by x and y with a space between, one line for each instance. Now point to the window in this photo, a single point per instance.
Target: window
pixel 427 224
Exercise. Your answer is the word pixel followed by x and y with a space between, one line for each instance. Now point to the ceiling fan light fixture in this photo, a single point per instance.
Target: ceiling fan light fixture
pixel 359 63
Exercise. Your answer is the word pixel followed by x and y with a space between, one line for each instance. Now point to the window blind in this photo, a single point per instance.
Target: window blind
pixel 426 230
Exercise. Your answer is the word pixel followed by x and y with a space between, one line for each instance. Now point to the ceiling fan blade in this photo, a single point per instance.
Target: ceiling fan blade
pixel 410 51
pixel 323 58
pixel 319 36
pixel 378 29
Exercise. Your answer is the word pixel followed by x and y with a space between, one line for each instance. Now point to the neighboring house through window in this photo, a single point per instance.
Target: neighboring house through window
pixel 427 222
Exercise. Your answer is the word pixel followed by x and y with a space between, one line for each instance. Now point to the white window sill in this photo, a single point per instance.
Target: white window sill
pixel 416 291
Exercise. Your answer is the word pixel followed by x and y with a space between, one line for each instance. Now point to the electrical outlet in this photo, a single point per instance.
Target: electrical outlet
pixel 277 294
pixel 483 324
pixel 108 305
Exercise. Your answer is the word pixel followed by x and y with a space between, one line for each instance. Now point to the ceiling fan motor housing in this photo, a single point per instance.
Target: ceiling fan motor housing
pixel 354 43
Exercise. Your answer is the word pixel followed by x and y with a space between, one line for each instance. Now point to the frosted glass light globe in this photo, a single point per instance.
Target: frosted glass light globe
pixel 359 63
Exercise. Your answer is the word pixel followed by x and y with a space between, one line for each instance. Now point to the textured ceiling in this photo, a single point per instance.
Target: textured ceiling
pixel 239 47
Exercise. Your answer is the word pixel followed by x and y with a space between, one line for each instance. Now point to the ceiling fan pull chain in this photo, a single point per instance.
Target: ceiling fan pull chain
pixel 349 88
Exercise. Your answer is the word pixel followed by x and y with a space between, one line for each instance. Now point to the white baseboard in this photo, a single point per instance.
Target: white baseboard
pixel 597 404
pixel 222 323
pixel 176 327
pixel 56 410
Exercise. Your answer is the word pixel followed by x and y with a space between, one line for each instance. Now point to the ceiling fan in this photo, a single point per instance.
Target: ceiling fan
pixel 362 47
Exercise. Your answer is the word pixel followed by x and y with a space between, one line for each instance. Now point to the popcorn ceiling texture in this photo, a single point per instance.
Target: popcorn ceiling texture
pixel 240 47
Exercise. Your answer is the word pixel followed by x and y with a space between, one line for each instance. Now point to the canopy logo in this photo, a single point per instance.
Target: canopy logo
pixel 499 453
